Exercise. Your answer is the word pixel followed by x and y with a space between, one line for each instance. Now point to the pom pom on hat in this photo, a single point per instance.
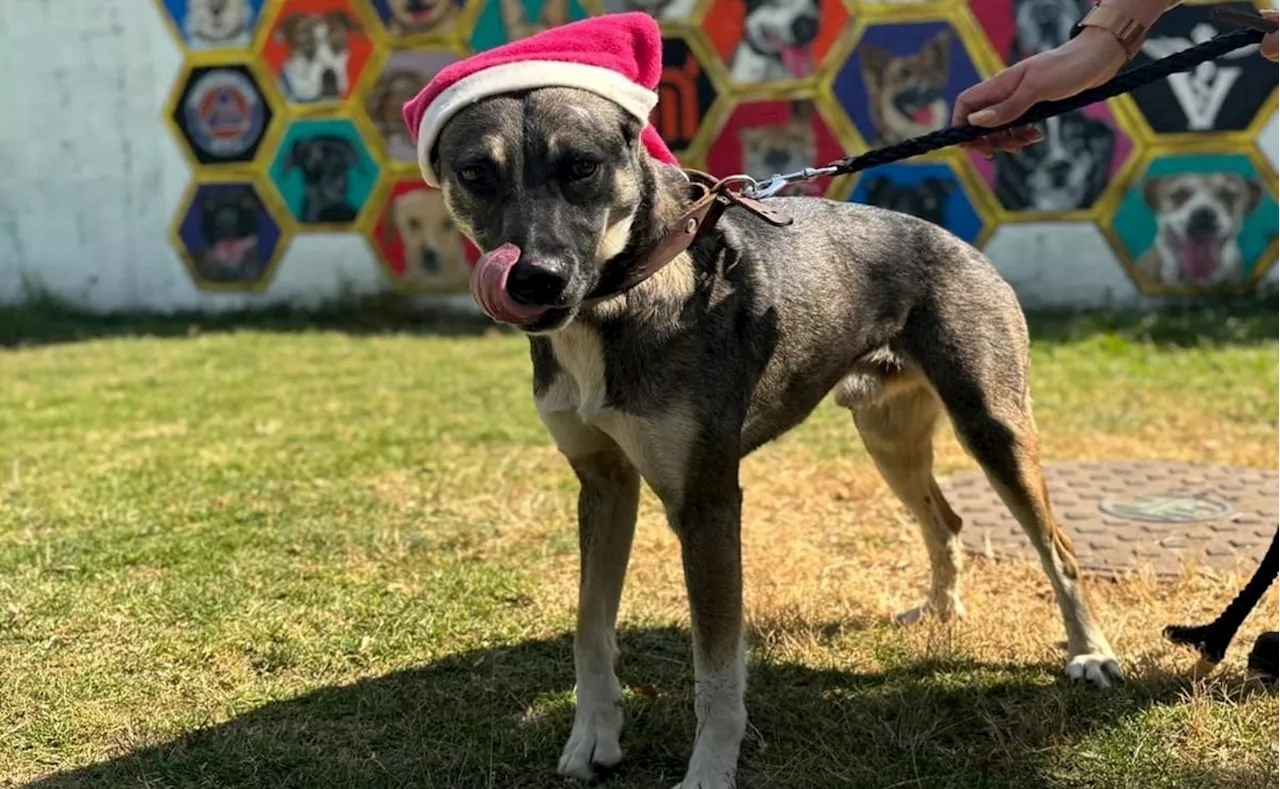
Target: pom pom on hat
pixel 617 56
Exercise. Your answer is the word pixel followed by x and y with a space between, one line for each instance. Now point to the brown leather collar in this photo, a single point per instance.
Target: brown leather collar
pixel 710 197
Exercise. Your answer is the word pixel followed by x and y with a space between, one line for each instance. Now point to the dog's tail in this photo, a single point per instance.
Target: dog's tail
pixel 1212 640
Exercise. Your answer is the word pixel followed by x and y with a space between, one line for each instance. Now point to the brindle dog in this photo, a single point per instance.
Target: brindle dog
pixel 730 345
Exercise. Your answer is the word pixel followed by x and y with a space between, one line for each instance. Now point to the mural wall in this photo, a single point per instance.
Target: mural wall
pixel 288 115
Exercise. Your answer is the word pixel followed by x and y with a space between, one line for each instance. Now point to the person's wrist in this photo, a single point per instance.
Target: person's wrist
pixel 1102 44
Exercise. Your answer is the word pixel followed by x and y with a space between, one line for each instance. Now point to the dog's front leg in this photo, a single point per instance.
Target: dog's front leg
pixel 708 524
pixel 607 503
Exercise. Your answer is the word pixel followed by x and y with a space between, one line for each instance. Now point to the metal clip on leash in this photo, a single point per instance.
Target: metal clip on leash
pixel 1253 28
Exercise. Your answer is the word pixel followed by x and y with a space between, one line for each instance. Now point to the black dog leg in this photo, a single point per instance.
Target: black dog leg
pixel 1212 640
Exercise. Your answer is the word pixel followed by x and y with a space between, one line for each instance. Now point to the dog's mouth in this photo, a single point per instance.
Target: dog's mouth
pixel 1199 254
pixel 233 251
pixel 920 105
pixel 489 289
pixel 797 59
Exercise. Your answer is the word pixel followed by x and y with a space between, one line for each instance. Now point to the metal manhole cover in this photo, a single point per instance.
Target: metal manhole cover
pixel 1126 515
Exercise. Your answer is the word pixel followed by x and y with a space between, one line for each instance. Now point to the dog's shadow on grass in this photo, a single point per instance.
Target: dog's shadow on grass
pixel 498 717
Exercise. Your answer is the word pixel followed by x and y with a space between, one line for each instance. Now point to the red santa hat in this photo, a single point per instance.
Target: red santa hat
pixel 617 56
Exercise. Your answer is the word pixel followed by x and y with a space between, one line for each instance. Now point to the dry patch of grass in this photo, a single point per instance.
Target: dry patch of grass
pixel 326 558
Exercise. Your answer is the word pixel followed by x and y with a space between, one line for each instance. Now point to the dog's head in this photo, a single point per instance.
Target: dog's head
pixel 550 185
pixel 218 20
pixel 1198 216
pixel 325 161
pixel 785 29
pixel 782 148
pixel 229 222
pixel 322 37
pixel 1041 25
pixel 431 242
pixel 1069 168
pixel 909 89
pixel 393 88
pixel 926 199
pixel 420 14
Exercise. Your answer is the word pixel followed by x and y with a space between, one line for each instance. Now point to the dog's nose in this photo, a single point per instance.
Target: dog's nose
pixel 430 261
pixel 804 29
pixel 778 159
pixel 1059 171
pixel 537 281
pixel 1202 224
pixel 329 84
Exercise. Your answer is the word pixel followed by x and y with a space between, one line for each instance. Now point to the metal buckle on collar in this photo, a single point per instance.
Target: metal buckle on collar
pixel 771 187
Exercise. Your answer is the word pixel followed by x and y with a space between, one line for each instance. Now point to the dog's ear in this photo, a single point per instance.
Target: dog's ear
pixel 802 110
pixel 339 17
pixel 376 103
pixel 284 31
pixel 874 60
pixel 1252 196
pixel 1151 191
pixel 936 51
pixel 296 153
pixel 390 225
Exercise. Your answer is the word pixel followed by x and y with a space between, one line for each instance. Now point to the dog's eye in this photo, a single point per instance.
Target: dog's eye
pixel 471 174
pixel 582 168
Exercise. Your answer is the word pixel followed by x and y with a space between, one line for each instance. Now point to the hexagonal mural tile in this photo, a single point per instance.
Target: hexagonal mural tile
pixel 1197 222
pixel 221 114
pixel 685 94
pixel 213 24
pixel 323 172
pixel 1060 264
pixel 404 73
pixel 316 49
pixel 672 11
pixel 1081 155
pixel 1222 95
pixel 503 21
pixel 774 42
pixel 1018 29
pixel 418 244
pixel 929 190
pixel 901 78
pixel 419 18
pixel 762 138
pixel 1268 141
pixel 227 235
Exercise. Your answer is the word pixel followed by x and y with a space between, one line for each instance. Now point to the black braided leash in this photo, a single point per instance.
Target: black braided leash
pixel 1124 82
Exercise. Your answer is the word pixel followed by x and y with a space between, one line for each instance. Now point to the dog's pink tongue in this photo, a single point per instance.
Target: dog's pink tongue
pixel 1200 257
pixel 489 288
pixel 798 60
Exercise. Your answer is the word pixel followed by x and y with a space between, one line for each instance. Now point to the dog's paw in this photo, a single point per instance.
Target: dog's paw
pixel 593 745
pixel 1095 668
pixel 952 610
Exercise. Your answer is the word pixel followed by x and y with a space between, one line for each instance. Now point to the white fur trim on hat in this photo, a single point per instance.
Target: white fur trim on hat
pixel 527 75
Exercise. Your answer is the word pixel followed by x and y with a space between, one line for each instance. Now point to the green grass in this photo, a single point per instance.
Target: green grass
pixel 280 551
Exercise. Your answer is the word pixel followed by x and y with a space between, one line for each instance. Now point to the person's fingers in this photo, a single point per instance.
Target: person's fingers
pixel 986 93
pixel 1001 112
pixel 1270 48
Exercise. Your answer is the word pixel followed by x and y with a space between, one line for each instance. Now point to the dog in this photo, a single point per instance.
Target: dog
pixel 326 162
pixel 1067 171
pixel 665 10
pixel 318 44
pixel 1197 218
pixel 218 23
pixel 1042 25
pixel 907 93
pixel 229 226
pixel 433 252
pixel 394 87
pixel 783 148
pixel 926 200
pixel 518 25
pixel 725 348
pixel 777 41
pixel 409 17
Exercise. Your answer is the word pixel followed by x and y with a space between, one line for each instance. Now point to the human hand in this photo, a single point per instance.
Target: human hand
pixel 1086 61
pixel 1270 48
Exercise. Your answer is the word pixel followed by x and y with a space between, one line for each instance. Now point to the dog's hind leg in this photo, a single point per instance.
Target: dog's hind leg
pixel 607 504
pixel 897 430
pixel 981 376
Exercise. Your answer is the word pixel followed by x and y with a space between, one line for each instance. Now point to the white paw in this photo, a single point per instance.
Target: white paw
pixel 1095 668
pixel 952 610
pixel 706 782
pixel 593 743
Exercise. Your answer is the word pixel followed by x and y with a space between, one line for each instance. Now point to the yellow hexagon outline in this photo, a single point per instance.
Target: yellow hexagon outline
pixel 1143 128
pixel 360 92
pixel 264 167
pixel 1146 288
pixel 719 108
pixel 379 198
pixel 275 210
pixel 172 26
pixel 1261 123
pixel 227 57
pixel 464 20
pixel 293 110
pixel 815 80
